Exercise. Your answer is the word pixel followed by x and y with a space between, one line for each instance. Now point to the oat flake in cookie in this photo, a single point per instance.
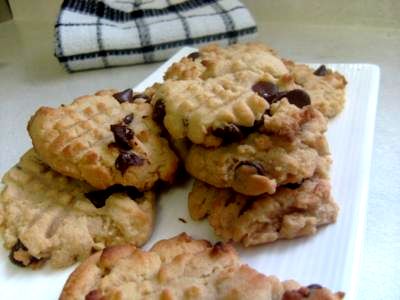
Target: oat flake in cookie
pixel 48 218
pixel 288 147
pixel 104 139
pixel 292 211
pixel 180 268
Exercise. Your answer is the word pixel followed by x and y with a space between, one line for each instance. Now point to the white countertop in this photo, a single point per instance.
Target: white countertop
pixel 30 77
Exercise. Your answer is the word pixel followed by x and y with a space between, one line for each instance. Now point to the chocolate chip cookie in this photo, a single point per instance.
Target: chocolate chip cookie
pixel 48 218
pixel 325 88
pixel 214 61
pixel 104 139
pixel 180 268
pixel 288 147
pixel 294 210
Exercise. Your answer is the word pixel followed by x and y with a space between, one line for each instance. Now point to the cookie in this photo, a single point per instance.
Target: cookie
pixel 48 218
pixel 180 268
pixel 201 110
pixel 288 147
pixel 325 87
pixel 104 139
pixel 293 211
pixel 213 61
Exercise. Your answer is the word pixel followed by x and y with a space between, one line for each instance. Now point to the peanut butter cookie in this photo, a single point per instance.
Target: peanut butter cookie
pixel 180 268
pixel 46 217
pixel 104 139
pixel 293 211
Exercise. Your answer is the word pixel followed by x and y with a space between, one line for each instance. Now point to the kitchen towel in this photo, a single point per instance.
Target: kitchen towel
pixel 98 34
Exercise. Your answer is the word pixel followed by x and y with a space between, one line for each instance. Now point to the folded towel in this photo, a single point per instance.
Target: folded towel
pixel 98 34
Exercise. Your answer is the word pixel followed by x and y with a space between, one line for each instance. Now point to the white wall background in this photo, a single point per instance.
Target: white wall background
pixel 380 13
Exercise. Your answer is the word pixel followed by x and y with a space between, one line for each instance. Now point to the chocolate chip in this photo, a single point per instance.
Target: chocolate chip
pixel 99 197
pixel 314 286
pixel 258 166
pixel 270 92
pixel 159 112
pixel 229 201
pixel 218 249
pixel 133 193
pixel 229 133
pixel 233 133
pixel 321 71
pixel 246 206
pixel 94 295
pixel 292 295
pixel 128 119
pixel 194 55
pixel 126 159
pixel 25 258
pixel 17 247
pixel 266 89
pixel 122 135
pixel 298 294
pixel 268 112
pixel 182 220
pixel 124 96
pixel 304 291
pixel 141 96
pixel 112 145
pixel 256 125
pixel 292 186
pixel 297 97
pixel 116 188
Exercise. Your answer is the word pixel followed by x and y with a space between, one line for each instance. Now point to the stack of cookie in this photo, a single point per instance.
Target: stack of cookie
pixel 251 130
pixel 249 126
pixel 87 184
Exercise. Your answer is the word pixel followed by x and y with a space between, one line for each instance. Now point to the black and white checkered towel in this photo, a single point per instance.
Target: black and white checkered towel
pixel 97 34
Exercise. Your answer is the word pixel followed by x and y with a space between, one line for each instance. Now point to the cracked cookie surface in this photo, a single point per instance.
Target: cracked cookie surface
pixel 48 218
pixel 293 211
pixel 289 147
pixel 179 268
pixel 104 139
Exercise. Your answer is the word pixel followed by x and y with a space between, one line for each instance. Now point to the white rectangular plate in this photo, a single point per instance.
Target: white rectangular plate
pixel 331 257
